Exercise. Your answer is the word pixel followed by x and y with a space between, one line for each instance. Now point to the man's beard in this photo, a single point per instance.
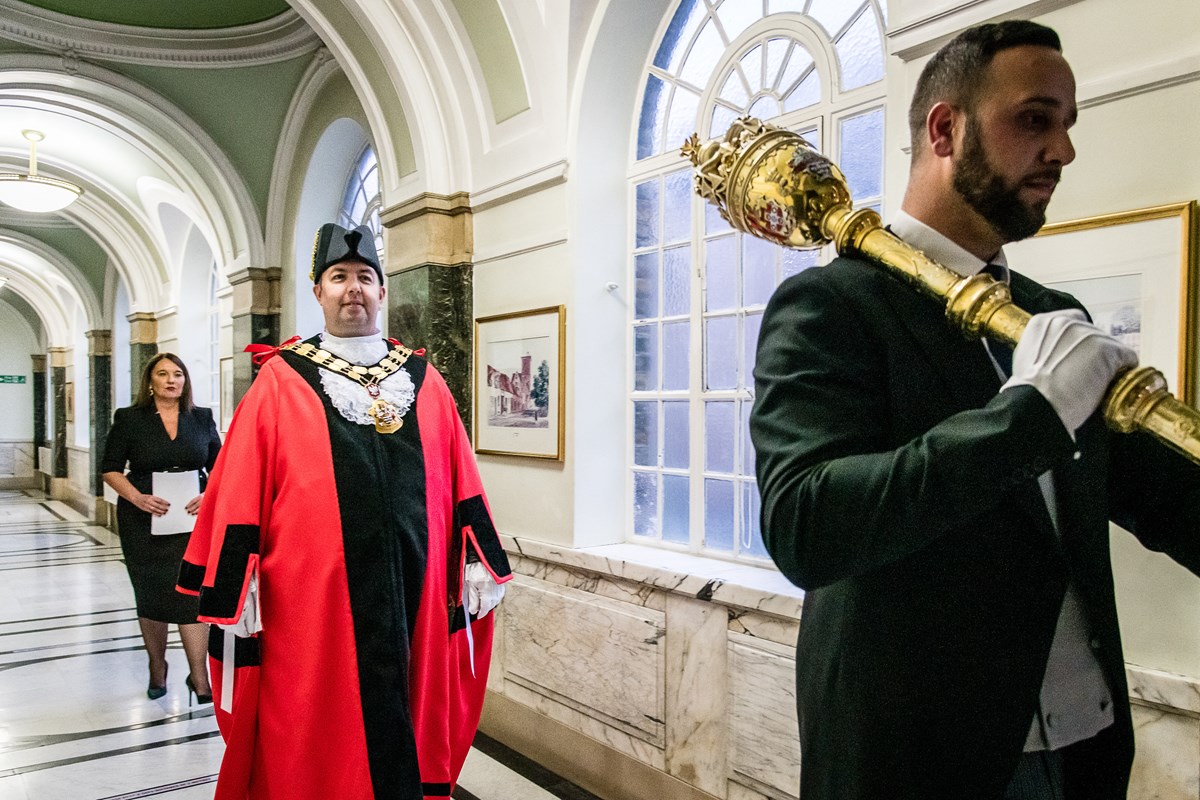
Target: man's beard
pixel 986 192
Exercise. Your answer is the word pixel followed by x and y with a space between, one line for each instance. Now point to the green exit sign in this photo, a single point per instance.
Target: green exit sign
pixel 12 378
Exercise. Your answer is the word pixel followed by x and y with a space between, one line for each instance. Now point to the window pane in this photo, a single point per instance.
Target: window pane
pixel 675 355
pixel 679 33
pixel 682 121
pixel 704 56
pixel 675 434
pixel 647 214
pixel 779 6
pixel 798 62
pixel 795 261
pixel 737 15
pixel 752 543
pixel 751 323
pixel 722 118
pixel 720 353
pixel 677 214
pixel 645 358
pixel 862 153
pixel 758 270
pixel 713 221
pixel 777 50
pixel 765 107
pixel 677 284
pixel 645 503
pixel 861 52
pixel 718 435
pixel 804 95
pixel 653 117
pixel 675 508
pixel 747 446
pixel 718 514
pixel 371 182
pixel 734 90
pixel 645 303
pixel 752 64
pixel 645 433
pixel 812 136
pixel 720 274
pixel 833 14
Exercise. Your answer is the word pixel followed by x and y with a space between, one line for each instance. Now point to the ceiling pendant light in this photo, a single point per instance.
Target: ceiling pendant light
pixel 33 192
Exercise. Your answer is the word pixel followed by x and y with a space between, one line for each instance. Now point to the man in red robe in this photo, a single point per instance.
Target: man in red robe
pixel 346 555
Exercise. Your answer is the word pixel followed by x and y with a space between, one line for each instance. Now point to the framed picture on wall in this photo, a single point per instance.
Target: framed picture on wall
pixel 1136 273
pixel 227 403
pixel 69 394
pixel 520 366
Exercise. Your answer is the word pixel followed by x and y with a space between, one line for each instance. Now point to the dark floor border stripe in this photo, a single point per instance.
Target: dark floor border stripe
pixel 530 770
pixel 32 661
pixel 61 645
pixel 122 751
pixel 166 788
pixel 69 627
pixel 63 560
pixel 51 566
pixel 460 793
pixel 62 550
pixel 68 616
pixel 30 742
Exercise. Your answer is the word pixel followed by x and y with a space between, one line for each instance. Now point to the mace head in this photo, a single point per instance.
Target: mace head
pixel 768 181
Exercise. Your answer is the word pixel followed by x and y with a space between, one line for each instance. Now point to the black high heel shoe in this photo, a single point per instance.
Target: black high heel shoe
pixel 155 692
pixel 201 699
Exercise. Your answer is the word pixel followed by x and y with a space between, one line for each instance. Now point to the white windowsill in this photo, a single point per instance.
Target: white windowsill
pixel 725 582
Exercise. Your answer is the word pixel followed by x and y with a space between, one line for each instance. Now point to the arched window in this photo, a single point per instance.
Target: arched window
pixel 362 199
pixel 816 67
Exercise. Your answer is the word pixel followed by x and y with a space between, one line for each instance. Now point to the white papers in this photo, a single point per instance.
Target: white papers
pixel 178 489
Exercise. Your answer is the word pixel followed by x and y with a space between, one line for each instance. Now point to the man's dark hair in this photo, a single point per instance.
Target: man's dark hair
pixel 955 73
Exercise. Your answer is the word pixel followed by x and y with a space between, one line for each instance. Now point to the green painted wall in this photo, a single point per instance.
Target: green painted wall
pixel 176 14
pixel 242 109
pixel 497 56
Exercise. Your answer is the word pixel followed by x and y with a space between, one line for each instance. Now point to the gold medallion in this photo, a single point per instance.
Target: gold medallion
pixel 386 416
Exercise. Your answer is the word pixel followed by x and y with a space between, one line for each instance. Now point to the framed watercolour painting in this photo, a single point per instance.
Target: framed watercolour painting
pixel 520 366
pixel 1135 273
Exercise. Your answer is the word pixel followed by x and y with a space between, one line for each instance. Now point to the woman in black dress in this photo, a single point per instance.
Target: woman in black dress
pixel 161 432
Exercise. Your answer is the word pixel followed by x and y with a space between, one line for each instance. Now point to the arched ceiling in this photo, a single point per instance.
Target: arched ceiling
pixel 168 13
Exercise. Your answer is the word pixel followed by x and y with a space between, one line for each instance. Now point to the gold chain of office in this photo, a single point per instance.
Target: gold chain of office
pixel 387 416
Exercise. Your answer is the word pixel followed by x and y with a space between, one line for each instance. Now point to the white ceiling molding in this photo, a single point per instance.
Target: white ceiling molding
pixel 161 131
pixel 910 40
pixel 1139 81
pixel 519 186
pixel 280 38
pixel 42 289
pixel 39 251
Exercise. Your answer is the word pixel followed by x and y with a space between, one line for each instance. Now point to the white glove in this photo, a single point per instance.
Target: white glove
pixel 483 593
pixel 249 622
pixel 1070 361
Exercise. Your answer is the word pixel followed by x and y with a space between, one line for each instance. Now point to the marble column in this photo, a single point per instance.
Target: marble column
pixel 256 304
pixel 60 357
pixel 100 371
pixel 429 242
pixel 143 346
pixel 39 407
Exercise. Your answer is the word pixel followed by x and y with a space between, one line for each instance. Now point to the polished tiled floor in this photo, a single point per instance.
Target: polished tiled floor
pixel 75 723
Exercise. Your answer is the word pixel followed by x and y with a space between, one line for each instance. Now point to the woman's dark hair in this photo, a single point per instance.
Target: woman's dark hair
pixel 146 400
pixel 956 72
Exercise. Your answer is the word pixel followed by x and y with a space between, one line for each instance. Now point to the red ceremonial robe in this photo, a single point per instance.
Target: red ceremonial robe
pixel 359 686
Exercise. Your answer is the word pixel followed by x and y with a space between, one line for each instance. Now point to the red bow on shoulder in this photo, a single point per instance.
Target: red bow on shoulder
pixel 262 353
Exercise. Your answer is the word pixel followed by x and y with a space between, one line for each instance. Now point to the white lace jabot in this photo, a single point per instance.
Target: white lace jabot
pixel 349 397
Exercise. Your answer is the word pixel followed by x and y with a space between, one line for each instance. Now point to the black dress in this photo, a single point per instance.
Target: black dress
pixel 138 437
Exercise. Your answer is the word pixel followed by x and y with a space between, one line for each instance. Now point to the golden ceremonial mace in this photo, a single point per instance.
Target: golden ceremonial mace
pixel 769 182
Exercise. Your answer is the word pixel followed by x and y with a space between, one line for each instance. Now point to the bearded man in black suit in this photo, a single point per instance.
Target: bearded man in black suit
pixel 945 503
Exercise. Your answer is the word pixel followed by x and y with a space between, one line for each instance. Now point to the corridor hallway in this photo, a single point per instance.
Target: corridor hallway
pixel 75 723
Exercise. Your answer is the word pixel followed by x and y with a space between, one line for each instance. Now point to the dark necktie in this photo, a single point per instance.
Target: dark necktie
pixel 1000 351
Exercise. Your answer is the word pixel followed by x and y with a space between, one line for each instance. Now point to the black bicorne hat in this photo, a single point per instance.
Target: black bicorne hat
pixel 335 244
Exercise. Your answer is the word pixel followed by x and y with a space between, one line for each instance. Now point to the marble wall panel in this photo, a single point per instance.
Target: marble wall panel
pixel 8 460
pixel 79 470
pixel 588 652
pixel 764 626
pixel 23 459
pixel 697 693
pixel 764 739
pixel 1167 763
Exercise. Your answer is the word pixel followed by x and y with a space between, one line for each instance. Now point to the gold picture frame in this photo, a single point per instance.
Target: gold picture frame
pixel 1136 273
pixel 520 383
pixel 69 400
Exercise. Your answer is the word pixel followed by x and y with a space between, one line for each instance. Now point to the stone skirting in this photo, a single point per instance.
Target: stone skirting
pixel 679 669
